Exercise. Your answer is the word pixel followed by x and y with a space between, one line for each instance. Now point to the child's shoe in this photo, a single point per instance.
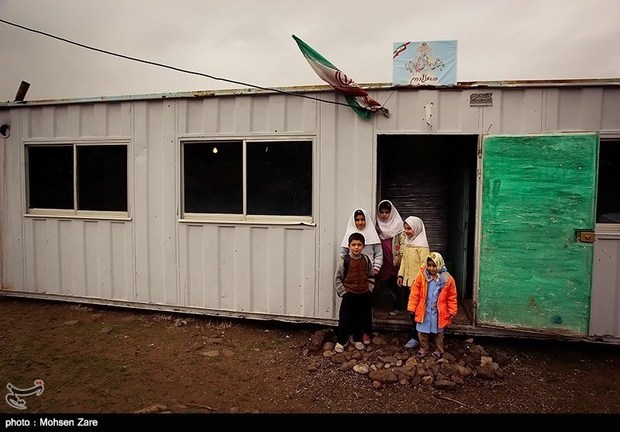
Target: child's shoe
pixel 359 345
pixel 366 339
pixel 411 344
pixel 339 348
pixel 437 355
pixel 422 353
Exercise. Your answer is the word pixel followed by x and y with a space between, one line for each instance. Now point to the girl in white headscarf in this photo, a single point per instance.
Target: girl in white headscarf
pixel 415 250
pixel 390 229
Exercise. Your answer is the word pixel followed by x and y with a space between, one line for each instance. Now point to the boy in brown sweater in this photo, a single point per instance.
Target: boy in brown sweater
pixel 354 282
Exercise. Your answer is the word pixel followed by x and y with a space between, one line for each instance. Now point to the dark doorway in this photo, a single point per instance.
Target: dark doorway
pixel 434 177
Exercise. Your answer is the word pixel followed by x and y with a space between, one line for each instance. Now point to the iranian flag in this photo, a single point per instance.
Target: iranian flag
pixel 356 97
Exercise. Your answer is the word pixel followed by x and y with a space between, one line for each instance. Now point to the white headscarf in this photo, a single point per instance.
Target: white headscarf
pixel 419 232
pixel 394 224
pixel 369 231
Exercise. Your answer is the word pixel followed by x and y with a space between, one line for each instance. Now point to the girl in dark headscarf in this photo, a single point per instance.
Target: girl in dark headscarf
pixel 390 229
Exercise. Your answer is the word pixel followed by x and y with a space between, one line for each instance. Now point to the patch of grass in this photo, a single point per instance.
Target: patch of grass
pixel 81 308
pixel 219 324
pixel 164 317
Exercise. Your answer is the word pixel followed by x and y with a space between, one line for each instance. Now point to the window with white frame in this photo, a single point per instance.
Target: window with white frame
pixel 243 179
pixel 72 178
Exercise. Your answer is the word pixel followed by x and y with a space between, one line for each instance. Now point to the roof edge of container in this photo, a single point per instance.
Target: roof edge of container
pixel 296 90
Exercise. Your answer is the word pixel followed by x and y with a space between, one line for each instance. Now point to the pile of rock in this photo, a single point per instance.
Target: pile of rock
pixel 389 362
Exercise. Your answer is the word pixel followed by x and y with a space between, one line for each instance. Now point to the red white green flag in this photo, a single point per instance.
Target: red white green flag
pixel 356 97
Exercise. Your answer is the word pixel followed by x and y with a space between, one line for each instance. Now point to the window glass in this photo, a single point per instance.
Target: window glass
pixel 99 181
pixel 102 177
pixel 50 177
pixel 608 192
pixel 279 178
pixel 213 177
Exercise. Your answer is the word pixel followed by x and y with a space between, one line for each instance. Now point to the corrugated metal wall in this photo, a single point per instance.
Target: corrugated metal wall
pixel 69 257
pixel 245 269
pixel 605 315
pixel 154 258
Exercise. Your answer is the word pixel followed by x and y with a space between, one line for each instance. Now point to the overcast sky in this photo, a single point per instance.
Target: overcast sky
pixel 250 41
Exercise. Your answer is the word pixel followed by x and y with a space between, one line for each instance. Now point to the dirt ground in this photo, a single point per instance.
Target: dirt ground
pixel 114 360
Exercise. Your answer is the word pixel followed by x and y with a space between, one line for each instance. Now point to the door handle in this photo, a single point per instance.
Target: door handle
pixel 585 236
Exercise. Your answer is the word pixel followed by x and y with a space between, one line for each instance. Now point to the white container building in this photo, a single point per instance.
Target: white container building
pixel 234 203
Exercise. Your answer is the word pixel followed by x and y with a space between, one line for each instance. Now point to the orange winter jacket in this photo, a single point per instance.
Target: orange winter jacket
pixel 447 306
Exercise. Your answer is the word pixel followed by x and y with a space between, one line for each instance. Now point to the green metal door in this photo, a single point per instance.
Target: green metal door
pixel 538 195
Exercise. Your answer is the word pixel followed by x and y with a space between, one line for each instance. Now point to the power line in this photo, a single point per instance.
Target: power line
pixel 81 45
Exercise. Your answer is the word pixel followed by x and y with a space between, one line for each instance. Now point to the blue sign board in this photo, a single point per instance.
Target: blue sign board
pixel 424 63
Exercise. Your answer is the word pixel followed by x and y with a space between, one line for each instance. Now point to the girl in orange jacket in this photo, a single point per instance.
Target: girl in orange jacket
pixel 433 302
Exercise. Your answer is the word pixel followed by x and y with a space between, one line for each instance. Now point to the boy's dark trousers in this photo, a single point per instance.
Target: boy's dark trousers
pixel 354 317
pixel 399 294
